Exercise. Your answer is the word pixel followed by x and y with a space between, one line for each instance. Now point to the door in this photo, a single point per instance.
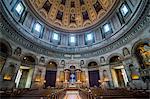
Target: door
pixel 50 78
pixel 120 78
pixel 93 78
pixel 23 79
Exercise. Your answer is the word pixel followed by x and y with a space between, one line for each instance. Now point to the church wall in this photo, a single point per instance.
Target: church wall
pixel 129 59
pixel 102 60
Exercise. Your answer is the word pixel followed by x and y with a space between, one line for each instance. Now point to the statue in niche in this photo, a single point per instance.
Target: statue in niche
pixel 17 51
pixel 38 75
pixel 42 59
pixel 81 62
pixel 126 52
pixel 102 59
pixel 144 51
pixel 105 81
pixel 63 62
pixel 105 75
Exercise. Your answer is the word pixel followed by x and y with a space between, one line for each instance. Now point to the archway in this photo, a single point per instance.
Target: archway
pixel 25 72
pixel 5 51
pixel 118 72
pixel 141 51
pixel 51 72
pixel 93 74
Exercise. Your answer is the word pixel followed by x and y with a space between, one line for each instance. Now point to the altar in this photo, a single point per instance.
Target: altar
pixel 72 76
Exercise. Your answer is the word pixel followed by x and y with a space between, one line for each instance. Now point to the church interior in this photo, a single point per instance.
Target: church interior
pixel 74 49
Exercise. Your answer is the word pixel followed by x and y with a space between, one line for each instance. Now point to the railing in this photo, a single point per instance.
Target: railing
pixel 57 94
pixel 86 94
pixel 99 93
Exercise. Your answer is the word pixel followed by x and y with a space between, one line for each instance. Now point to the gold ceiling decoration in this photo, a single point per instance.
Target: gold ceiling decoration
pixel 72 14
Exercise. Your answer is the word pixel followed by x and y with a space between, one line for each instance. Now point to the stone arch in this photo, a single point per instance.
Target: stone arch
pixel 140 51
pixel 29 55
pixel 6 44
pixel 92 64
pixel 137 43
pixel 52 64
pixel 88 61
pixel 53 60
pixel 112 55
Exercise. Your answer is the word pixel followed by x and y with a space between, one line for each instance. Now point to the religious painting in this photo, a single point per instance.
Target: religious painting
pixel 143 55
pixel 105 75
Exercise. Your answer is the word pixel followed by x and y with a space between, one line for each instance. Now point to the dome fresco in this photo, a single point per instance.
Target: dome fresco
pixel 72 15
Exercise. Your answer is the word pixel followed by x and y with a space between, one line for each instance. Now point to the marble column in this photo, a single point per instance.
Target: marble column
pixel 87 76
pixel 66 83
pixel 16 63
pixel 66 75
pixel 78 72
pixel 126 64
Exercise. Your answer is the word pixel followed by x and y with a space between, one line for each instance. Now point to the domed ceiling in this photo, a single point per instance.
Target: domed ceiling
pixel 72 15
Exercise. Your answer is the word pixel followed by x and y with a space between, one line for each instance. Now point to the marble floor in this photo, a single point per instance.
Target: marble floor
pixel 72 95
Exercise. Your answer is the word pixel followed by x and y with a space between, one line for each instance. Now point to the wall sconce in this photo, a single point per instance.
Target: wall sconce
pixel 57 79
pixel 38 79
pixel 99 81
pixel 7 77
pixel 44 81
pixel 135 76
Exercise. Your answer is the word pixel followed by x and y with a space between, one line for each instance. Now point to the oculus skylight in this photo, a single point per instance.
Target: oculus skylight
pixel 106 28
pixel 37 27
pixel 124 9
pixel 89 36
pixel 72 39
pixel 19 8
pixel 55 36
